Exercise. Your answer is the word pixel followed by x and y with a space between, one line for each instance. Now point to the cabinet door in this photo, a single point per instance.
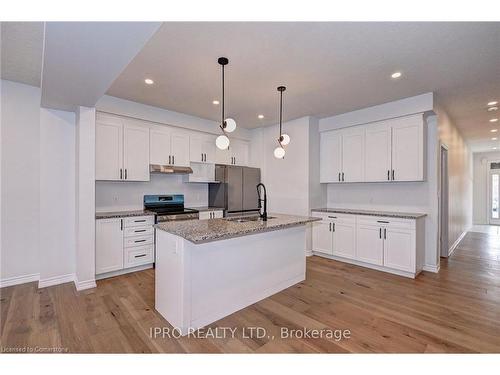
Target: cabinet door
pixel 160 146
pixel 239 152
pixel 322 238
pixel 399 249
pixel 378 152
pixel 370 245
pixel 136 153
pixel 344 239
pixel 208 148
pixel 195 149
pixel 108 245
pixel 222 156
pixel 204 215
pixel 408 149
pixel 353 154
pixel 109 150
pixel 217 214
pixel 180 149
pixel 330 156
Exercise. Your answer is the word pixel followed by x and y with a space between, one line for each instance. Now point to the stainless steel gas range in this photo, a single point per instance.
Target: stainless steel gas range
pixel 169 207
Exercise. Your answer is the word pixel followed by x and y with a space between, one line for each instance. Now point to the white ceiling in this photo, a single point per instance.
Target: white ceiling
pixel 328 68
pixel 22 48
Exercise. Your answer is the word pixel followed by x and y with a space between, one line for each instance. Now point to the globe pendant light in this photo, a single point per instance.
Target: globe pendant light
pixel 283 139
pixel 227 125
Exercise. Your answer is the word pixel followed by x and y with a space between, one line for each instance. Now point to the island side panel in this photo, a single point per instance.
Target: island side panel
pixel 172 281
pixel 231 274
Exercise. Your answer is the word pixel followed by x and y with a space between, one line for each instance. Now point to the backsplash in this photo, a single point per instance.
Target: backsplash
pixel 117 196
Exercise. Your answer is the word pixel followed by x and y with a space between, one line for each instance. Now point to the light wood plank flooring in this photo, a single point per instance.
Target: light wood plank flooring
pixel 457 310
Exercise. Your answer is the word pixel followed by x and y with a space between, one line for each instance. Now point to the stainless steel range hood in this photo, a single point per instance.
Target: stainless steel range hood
pixel 169 169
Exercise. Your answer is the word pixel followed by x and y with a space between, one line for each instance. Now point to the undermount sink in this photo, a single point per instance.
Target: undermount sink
pixel 247 219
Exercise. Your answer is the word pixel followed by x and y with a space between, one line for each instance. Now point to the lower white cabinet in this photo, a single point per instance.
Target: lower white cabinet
pixel 211 214
pixel 335 235
pixel 123 243
pixel 387 244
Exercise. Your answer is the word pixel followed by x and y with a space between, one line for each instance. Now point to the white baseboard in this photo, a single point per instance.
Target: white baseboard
pixel 124 271
pixel 56 280
pixel 10 281
pixel 87 284
pixel 431 268
pixel 455 244
pixel 309 253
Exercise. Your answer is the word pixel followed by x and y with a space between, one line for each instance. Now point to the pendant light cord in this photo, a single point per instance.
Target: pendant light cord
pixel 281 111
pixel 222 119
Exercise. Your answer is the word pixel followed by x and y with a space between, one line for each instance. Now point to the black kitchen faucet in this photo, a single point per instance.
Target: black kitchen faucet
pixel 264 214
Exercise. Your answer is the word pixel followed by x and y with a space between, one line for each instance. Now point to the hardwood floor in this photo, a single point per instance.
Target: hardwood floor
pixel 457 310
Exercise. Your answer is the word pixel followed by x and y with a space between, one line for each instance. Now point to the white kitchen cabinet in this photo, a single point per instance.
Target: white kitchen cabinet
pixel 370 245
pixel 236 154
pixel 378 152
pixel 122 150
pixel 399 244
pixel 322 239
pixel 169 146
pixel 331 156
pixel 135 153
pixel 123 243
pixel 180 149
pixel 344 238
pixel 407 149
pixel 353 154
pixel 202 148
pixel 108 245
pixel 386 151
pixel 109 150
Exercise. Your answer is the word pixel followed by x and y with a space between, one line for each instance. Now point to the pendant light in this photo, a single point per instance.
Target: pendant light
pixel 227 125
pixel 283 139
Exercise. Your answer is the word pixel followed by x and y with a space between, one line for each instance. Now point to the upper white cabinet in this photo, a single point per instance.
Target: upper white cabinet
pixel 202 148
pixel 390 150
pixel 169 146
pixel 122 150
pixel 236 154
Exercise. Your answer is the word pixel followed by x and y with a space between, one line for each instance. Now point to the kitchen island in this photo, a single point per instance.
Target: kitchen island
pixel 208 269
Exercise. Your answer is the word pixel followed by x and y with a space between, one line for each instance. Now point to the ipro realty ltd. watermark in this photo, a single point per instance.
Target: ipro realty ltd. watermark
pixel 251 333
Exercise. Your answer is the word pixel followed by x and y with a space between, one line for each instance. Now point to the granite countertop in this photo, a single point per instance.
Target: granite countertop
pixel 207 208
pixel 353 211
pixel 118 214
pixel 202 231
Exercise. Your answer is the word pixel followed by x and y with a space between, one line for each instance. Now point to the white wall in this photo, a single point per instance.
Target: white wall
pixel 480 185
pixel 57 196
pixel 459 178
pixel 118 196
pixel 20 152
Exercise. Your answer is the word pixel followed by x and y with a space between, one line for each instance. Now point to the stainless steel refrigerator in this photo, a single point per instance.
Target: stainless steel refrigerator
pixel 235 189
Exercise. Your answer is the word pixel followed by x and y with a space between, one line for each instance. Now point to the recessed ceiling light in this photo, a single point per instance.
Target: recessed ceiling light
pixel 492 109
pixel 215 102
pixel 396 75
pixel 493 120
pixel 494 138
pixel 493 130
pixel 149 81
pixel 494 148
pixel 493 103
pixel 260 116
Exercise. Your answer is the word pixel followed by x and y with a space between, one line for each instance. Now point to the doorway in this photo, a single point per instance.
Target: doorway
pixel 494 192
pixel 444 196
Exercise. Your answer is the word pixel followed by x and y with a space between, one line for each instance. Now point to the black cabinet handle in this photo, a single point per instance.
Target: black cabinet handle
pixel 393 175
pixel 121 174
pixel 125 173
pixel 121 224
pixel 169 159
pixel 140 256
pixel 339 176
pixel 332 217
pixel 139 221
pixel 137 241
pixel 330 227
pixel 388 175
pixel 139 231
pixel 173 159
pixel 385 233
pixel 333 227
pixel 380 233
pixel 342 176
pixel 382 221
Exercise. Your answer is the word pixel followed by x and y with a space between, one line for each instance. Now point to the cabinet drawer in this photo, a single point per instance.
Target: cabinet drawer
pixel 137 256
pixel 332 216
pixel 137 221
pixel 138 241
pixel 138 231
pixel 386 221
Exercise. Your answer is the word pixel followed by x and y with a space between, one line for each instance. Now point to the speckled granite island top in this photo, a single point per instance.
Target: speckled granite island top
pixel 202 231
pixel 399 215
pixel 119 214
